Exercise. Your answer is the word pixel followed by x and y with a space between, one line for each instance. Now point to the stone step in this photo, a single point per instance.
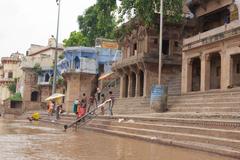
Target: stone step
pixel 227 151
pixel 174 136
pixel 194 120
pixel 206 104
pixel 204 109
pixel 200 99
pixel 220 133
pixel 210 93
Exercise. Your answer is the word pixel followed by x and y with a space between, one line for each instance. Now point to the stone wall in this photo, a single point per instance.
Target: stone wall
pixel 77 84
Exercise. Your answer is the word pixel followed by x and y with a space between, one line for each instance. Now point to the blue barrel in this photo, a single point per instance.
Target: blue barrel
pixel 159 95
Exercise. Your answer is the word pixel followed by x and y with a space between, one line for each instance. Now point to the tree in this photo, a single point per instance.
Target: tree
pixel 75 39
pixel 37 69
pixel 145 10
pixel 98 21
pixel 12 87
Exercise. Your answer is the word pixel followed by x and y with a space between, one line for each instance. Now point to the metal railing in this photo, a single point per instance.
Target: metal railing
pixel 87 117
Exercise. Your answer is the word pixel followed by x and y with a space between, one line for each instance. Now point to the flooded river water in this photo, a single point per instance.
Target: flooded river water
pixel 21 140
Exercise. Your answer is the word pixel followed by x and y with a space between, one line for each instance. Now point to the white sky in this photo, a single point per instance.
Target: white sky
pixel 25 22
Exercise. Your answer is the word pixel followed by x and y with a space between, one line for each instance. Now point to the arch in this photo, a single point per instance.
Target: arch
pixel 76 63
pixel 215 71
pixel 126 79
pixel 34 96
pixel 133 84
pixel 196 74
pixel 235 70
pixel 46 78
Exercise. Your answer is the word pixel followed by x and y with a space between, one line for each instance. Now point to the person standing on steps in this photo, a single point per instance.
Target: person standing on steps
pixel 111 103
pixel 98 94
pixel 102 101
pixel 83 106
pixel 91 102
pixel 75 106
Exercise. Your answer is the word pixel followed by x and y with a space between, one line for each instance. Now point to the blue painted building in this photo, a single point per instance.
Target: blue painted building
pixel 88 60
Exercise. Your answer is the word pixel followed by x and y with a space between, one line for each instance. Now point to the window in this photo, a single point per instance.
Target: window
pixel 34 96
pixel 165 47
pixel 155 41
pixel 10 75
pixel 47 77
pixel 76 63
pixel 101 68
pixel 134 49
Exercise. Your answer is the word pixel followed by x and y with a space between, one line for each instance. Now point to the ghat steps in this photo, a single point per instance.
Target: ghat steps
pixel 207 132
pixel 213 101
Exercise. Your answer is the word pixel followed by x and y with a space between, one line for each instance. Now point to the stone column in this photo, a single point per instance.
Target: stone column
pixel 122 86
pixel 145 83
pixel 205 72
pixel 73 90
pixel 237 2
pixel 129 85
pixel 225 70
pixel 223 74
pixel 137 84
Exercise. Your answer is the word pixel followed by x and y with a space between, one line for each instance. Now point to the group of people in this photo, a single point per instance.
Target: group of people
pixel 53 108
pixel 86 105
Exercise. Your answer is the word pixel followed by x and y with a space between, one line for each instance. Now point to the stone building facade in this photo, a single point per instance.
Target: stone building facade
pixel 211 53
pixel 9 72
pixel 35 86
pixel 81 68
pixel 138 67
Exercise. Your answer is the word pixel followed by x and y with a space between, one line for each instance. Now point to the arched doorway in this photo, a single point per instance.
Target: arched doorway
pixel 47 77
pixel 76 63
pixel 34 96
pixel 196 74
pixel 126 86
pixel 133 84
pixel 215 71
pixel 235 70
pixel 141 83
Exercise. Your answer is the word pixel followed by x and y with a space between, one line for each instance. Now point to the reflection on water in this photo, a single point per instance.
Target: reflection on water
pixel 22 140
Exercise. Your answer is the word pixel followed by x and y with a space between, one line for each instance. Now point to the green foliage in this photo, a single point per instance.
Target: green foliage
pixel 60 81
pixel 37 69
pixel 16 97
pixel 12 87
pixel 61 56
pixel 98 21
pixel 75 39
pixel 145 10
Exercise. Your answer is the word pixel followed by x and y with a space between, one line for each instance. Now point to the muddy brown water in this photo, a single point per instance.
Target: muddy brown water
pixel 21 140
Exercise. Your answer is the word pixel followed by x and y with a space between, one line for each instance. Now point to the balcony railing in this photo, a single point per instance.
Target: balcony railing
pixel 152 58
pixel 214 35
pixel 43 83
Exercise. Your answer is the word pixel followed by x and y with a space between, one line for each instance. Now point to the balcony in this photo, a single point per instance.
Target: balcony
pixel 88 69
pixel 172 59
pixel 213 35
pixel 6 80
pixel 43 83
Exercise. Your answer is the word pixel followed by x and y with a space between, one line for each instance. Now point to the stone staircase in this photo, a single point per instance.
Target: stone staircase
pixel 132 105
pixel 174 85
pixel 207 121
pixel 211 135
pixel 212 101
pixel 207 132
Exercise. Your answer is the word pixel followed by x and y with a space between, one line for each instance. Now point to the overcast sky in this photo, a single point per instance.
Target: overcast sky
pixel 25 22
